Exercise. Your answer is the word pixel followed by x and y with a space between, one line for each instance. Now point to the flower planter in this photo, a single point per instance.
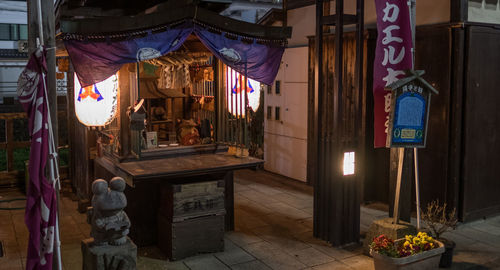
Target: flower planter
pixel 447 256
pixel 421 261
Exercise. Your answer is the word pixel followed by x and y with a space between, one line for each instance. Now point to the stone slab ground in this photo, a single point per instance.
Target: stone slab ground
pixel 274 222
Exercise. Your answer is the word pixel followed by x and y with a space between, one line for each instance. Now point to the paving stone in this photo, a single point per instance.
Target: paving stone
pixel 145 263
pixel 280 239
pixel 11 264
pixel 240 187
pixel 335 265
pixel 477 253
pixel 243 238
pixel 268 190
pixel 258 197
pixel 360 262
pixel 233 254
pixel 71 255
pixel 487 238
pixel 204 262
pixel 327 248
pixel 252 265
pixel 288 211
pixel 312 257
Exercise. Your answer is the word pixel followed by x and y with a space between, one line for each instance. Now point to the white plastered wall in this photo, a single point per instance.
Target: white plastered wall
pixel 285 144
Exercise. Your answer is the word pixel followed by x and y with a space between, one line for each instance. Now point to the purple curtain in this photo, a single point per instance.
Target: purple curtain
pixel 95 61
pixel 261 61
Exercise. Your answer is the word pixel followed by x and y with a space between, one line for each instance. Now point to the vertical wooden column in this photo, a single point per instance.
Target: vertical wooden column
pixel 9 125
pixel 123 103
pixel 336 126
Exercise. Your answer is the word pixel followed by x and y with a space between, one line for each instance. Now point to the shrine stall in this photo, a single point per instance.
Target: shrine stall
pixel 171 96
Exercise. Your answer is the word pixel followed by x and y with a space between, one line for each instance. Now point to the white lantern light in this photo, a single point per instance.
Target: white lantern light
pixel 96 105
pixel 235 86
pixel 349 163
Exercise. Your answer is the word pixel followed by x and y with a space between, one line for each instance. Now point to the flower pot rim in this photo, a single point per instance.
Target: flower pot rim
pixel 410 259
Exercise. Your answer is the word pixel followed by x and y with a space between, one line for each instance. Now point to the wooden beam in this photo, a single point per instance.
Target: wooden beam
pixel 459 10
pixel 293 4
pixel 332 19
pixel 165 17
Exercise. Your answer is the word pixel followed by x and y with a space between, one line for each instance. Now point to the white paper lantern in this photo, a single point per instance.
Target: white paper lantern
pixel 96 105
pixel 235 86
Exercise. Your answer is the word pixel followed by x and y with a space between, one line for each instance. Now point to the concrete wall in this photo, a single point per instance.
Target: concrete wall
pixel 285 141
pixel 303 20
pixel 480 11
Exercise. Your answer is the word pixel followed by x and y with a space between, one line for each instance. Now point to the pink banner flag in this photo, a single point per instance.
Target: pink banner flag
pixel 392 56
pixel 41 204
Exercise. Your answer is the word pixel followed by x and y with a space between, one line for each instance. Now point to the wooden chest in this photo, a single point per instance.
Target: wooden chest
pixel 179 202
pixel 179 240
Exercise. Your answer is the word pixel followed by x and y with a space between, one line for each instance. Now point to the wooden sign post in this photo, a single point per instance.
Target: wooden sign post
pixel 410 106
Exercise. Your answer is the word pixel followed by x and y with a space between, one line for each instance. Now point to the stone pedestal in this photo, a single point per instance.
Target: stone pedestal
pixel 385 226
pixel 108 257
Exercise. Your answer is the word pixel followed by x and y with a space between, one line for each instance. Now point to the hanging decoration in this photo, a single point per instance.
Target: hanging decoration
pixel 96 59
pixel 95 105
pixel 235 86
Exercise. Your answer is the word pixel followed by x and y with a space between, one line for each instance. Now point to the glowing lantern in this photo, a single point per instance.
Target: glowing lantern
pixel 96 105
pixel 235 87
pixel 349 163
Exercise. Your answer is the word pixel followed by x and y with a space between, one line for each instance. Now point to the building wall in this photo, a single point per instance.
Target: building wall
pixel 303 20
pixel 484 11
pixel 285 140
pixel 11 12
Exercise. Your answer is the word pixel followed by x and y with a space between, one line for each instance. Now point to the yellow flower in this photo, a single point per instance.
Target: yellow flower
pixel 408 237
pixel 406 244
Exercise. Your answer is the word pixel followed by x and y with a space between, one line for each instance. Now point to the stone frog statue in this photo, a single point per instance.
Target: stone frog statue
pixel 110 224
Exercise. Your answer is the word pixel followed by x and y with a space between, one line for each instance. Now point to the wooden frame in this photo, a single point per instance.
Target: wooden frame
pixel 168 16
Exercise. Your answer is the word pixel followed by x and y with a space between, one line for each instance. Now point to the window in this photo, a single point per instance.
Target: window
pixel 23 32
pixel 4 31
pixel 269 90
pixel 269 112
pixel 13 31
pixel 277 113
pixel 277 87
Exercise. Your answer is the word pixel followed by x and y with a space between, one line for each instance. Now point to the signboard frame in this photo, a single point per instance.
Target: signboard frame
pixel 412 91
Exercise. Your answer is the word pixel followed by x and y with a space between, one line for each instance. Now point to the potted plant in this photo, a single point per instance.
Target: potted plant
pixel 412 252
pixel 439 222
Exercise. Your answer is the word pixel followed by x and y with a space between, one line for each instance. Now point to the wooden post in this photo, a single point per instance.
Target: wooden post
pixel 46 12
pixel 9 125
pixel 48 27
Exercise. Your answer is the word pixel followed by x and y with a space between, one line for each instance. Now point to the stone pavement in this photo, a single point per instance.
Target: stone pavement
pixel 273 217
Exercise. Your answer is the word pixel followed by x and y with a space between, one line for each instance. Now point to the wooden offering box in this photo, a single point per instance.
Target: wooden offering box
pixel 191 218
pixel 179 240
pixel 179 202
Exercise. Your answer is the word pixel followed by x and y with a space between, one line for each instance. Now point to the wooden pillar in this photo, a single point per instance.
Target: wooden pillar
pixel 407 180
pixel 336 127
pixel 50 43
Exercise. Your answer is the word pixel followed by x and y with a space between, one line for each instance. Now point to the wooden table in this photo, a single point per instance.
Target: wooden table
pixel 146 177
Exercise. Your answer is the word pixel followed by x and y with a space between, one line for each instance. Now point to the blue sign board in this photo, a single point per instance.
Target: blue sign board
pixel 410 104
pixel 409 119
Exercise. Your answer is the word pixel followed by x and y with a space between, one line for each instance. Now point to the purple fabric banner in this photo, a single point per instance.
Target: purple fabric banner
pixel 392 56
pixel 262 61
pixel 41 204
pixel 95 61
